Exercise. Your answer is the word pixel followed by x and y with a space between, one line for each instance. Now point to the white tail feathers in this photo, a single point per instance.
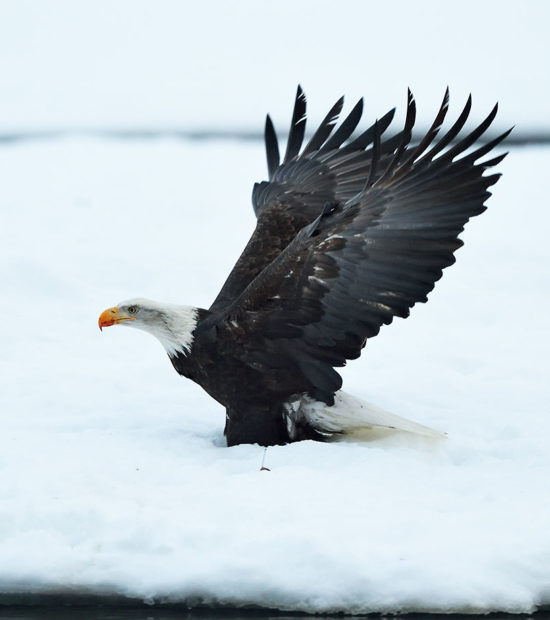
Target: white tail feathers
pixel 350 415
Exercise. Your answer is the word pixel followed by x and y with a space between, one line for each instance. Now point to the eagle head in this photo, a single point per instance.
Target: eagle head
pixel 171 324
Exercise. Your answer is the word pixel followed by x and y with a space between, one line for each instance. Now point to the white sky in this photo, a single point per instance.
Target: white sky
pixel 136 63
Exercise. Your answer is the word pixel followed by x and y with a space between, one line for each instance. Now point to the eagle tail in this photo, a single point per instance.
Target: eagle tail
pixel 350 415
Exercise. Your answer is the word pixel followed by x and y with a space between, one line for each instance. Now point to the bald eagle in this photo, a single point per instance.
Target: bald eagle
pixel 351 231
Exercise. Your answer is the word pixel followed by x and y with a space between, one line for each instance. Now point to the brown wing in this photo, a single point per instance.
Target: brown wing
pixel 360 264
pixel 327 170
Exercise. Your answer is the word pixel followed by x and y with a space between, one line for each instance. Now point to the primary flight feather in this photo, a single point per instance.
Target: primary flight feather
pixel 351 231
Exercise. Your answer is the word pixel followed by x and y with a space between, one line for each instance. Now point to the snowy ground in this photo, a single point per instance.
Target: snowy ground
pixel 113 474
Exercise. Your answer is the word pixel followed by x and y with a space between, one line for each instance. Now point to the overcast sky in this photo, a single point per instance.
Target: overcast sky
pixel 220 64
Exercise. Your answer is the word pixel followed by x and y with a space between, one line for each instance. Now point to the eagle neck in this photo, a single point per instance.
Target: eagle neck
pixel 176 330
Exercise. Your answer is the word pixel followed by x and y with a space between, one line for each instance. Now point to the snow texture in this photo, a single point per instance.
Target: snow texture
pixel 114 477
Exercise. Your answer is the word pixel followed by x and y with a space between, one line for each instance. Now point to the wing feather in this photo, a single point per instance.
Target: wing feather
pixel 325 129
pixel 297 126
pixel 325 172
pixel 345 130
pixel 366 138
pixel 271 147
pixel 357 264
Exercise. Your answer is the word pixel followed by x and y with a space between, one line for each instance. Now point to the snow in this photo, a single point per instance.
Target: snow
pixel 114 477
pixel 141 64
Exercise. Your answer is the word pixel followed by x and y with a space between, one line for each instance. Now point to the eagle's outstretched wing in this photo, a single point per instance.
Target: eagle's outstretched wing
pixel 366 260
pixel 327 170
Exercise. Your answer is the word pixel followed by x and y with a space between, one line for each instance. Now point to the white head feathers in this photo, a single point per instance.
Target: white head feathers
pixel 171 324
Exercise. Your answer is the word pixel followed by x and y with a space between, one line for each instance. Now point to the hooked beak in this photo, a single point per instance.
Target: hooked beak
pixel 112 316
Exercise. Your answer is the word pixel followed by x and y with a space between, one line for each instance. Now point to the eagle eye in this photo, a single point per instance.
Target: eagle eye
pixel 132 309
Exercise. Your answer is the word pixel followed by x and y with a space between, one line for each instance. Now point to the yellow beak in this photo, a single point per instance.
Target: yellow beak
pixel 112 316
